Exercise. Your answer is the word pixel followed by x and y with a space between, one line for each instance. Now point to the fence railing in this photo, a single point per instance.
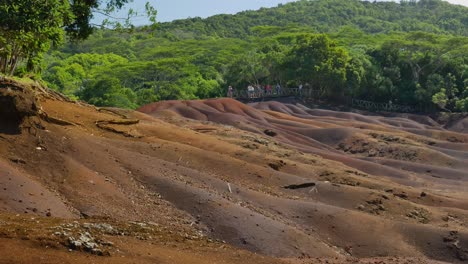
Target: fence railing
pixel 283 92
pixel 307 93
pixel 375 106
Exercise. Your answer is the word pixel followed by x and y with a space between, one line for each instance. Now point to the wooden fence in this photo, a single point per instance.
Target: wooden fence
pixel 311 94
pixel 374 106
pixel 283 92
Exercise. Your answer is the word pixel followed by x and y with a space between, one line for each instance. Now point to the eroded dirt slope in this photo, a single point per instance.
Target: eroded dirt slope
pixel 213 178
pixel 404 178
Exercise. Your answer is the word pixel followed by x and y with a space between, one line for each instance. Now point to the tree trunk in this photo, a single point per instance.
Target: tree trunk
pixel 14 63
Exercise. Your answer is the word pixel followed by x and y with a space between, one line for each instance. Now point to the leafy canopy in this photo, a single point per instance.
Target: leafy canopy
pixel 28 28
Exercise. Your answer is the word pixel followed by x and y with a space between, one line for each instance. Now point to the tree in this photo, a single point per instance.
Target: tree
pixel 28 28
pixel 248 68
pixel 424 94
pixel 83 10
pixel 193 58
pixel 109 92
pixel 462 105
pixel 70 75
pixel 440 98
pixel 317 60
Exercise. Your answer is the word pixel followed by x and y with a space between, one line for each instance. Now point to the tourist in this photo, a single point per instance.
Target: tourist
pixel 250 91
pixel 278 88
pixel 268 89
pixel 259 90
pixel 230 91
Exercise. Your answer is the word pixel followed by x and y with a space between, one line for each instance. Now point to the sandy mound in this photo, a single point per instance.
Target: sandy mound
pixel 414 152
pixel 216 177
pixel 460 125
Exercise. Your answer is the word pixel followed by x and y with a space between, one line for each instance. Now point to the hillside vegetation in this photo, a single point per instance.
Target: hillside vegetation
pixel 328 16
pixel 412 53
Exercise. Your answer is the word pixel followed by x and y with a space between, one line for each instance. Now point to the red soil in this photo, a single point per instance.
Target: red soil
pixel 191 174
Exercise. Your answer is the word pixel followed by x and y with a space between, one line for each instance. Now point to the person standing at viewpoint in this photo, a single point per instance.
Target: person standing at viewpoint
pixel 278 88
pixel 250 90
pixel 230 91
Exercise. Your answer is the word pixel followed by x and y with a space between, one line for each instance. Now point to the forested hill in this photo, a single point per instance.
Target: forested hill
pixel 323 16
pixel 344 49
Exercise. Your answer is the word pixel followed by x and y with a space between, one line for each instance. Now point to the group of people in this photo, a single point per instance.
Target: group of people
pixel 255 91
pixel 260 90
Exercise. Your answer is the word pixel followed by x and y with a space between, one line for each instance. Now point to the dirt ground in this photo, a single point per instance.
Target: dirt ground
pixel 218 181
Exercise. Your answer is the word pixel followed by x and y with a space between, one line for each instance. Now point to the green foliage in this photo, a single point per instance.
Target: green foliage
pixel 108 92
pixel 410 53
pixel 440 98
pixel 70 75
pixel 27 28
pixel 318 61
pixel 435 16
pixel 462 105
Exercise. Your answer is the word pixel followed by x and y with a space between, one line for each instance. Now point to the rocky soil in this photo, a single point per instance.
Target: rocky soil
pixel 218 181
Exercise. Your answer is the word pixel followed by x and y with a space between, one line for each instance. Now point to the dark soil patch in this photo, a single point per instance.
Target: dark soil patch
pixel 16 103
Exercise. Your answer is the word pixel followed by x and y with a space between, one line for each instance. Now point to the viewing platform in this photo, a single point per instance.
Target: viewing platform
pixel 311 94
pixel 243 95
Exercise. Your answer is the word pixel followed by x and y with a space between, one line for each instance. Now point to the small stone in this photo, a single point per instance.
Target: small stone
pixel 18 160
pixel 97 251
pixel 107 243
pixel 270 133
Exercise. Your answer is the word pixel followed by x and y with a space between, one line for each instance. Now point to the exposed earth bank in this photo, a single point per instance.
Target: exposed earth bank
pixel 218 181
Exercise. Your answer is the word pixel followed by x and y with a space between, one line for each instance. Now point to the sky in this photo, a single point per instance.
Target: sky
pixel 169 10
pixel 174 9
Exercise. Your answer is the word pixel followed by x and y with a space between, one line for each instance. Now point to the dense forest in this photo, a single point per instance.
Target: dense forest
pixel 431 16
pixel 413 53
